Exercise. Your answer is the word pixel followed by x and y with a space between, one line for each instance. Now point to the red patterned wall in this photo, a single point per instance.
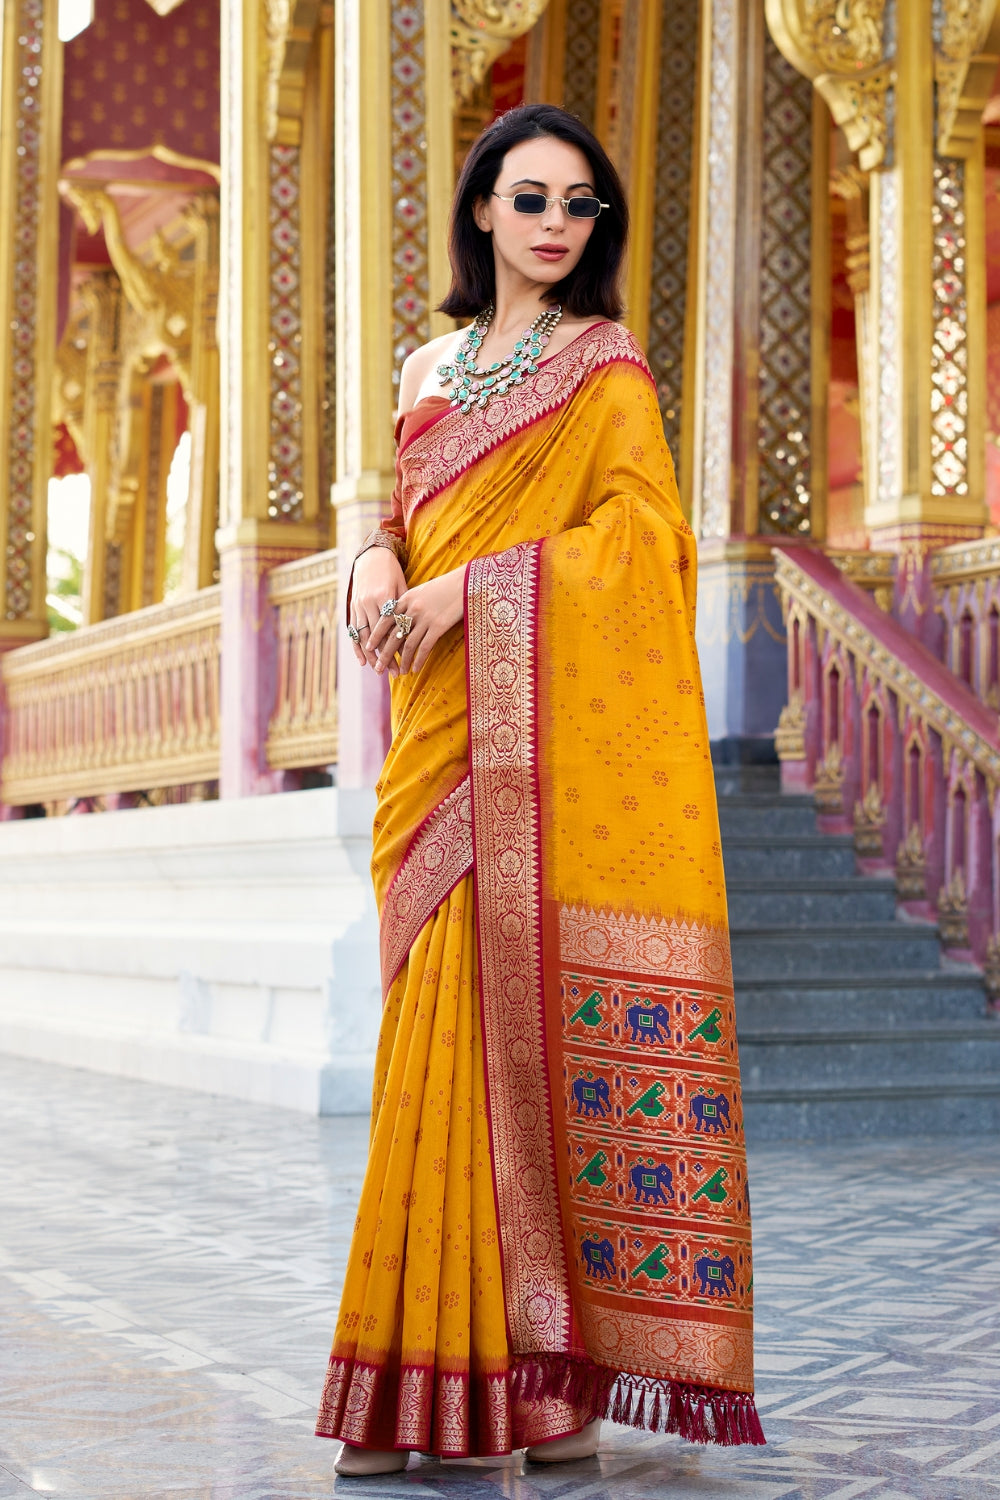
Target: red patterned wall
pixel 134 79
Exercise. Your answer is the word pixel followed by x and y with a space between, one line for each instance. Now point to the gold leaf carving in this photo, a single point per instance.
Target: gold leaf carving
pixel 789 737
pixel 953 913
pixel 965 64
pixel 839 45
pixel 911 867
pixel 481 31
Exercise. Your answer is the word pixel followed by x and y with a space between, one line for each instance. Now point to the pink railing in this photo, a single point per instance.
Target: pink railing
pixel 897 750
pixel 966 579
pixel 130 704
pixel 303 727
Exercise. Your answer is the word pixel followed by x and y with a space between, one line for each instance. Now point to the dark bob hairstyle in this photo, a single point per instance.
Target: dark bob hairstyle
pixel 592 288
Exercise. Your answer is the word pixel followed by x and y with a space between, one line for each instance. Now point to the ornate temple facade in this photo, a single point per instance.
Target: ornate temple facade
pixel 222 229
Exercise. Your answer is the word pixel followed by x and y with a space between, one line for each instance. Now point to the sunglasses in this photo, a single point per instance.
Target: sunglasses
pixel 537 203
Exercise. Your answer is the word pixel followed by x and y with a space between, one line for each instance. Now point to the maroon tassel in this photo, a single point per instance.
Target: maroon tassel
pixel 639 1420
pixel 699 1414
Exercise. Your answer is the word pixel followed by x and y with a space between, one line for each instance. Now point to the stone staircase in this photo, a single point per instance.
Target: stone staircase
pixel 850 1023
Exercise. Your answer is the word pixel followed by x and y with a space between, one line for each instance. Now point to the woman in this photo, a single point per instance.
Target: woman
pixel 554 1225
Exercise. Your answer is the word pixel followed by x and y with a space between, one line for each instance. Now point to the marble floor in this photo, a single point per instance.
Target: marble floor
pixel 169 1266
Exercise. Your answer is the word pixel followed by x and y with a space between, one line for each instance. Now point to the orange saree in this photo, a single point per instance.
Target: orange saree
pixel 554 1223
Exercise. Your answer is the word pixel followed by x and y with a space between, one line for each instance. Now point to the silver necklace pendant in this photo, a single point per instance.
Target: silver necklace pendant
pixel 474 386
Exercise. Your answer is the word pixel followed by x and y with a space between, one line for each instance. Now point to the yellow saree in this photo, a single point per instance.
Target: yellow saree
pixel 554 1223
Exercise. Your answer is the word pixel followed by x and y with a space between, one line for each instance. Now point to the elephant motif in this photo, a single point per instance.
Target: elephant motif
pixel 592 1095
pixel 647 1023
pixel 652 1184
pixel 711 1112
pixel 599 1258
pixel 717 1277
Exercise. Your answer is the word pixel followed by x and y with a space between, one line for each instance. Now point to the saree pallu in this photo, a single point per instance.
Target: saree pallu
pixel 555 1219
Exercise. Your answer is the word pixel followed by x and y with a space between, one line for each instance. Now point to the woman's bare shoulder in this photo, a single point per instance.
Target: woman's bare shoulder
pixel 416 368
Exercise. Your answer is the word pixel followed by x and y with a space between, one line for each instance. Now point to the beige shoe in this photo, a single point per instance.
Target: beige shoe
pixel 582 1444
pixel 358 1461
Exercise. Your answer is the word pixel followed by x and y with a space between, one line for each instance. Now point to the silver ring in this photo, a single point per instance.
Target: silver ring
pixel 355 635
pixel 388 608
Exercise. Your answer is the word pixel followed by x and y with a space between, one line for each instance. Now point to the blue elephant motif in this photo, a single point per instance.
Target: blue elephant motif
pixel 652 1184
pixel 717 1277
pixel 711 1112
pixel 648 1022
pixel 592 1095
pixel 599 1258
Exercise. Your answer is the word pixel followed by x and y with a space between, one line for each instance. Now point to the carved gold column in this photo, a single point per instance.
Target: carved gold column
pixel 270 506
pixel 366 240
pixel 755 442
pixel 626 122
pixel 105 304
pixel 201 516
pixel 851 185
pixel 30 124
pixel 148 529
pixel 908 83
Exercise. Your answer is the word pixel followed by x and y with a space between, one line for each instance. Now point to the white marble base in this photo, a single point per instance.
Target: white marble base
pixel 225 946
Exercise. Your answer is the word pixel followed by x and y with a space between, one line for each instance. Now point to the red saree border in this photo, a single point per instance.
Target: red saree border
pixel 682 949
pixel 501 638
pixel 439 855
pixel 415 1407
pixel 449 444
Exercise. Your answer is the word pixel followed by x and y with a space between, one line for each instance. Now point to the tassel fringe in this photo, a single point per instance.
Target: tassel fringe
pixel 698 1413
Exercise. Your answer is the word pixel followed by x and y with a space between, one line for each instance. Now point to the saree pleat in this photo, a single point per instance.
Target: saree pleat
pixel 555 1221
pixel 420 1359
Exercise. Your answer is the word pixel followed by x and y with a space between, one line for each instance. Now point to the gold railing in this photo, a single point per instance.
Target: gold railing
pixel 303 726
pixel 126 705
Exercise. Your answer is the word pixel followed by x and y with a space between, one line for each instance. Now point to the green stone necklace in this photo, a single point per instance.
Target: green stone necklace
pixel 471 386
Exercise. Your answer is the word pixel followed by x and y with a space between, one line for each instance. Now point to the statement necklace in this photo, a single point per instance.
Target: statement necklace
pixel 471 386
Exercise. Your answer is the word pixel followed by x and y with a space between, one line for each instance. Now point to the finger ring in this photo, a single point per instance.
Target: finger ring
pixel 363 627
pixel 388 608
pixel 404 625
pixel 354 634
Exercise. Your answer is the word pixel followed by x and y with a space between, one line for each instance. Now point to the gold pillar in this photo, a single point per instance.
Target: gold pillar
pixel 627 109
pixel 30 125
pixel 201 515
pixel 892 81
pixel 105 305
pixel 148 524
pixel 366 240
pixel 268 494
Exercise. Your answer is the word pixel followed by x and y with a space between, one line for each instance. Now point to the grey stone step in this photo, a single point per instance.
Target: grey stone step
pixel 828 902
pixel 878 1000
pixel 817 855
pixel 797 952
pixel 730 780
pixel 944 1104
pixel 813 1059
pixel 762 817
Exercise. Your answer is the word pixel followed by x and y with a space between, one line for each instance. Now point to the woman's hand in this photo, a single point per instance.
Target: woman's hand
pixel 377 577
pixel 434 608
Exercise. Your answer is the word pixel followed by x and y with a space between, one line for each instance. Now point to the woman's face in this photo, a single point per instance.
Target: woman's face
pixel 542 247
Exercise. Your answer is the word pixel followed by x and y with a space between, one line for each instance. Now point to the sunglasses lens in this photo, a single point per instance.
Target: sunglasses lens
pixel 584 208
pixel 529 203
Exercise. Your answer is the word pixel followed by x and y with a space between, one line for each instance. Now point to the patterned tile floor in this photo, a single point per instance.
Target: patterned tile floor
pixel 169 1266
